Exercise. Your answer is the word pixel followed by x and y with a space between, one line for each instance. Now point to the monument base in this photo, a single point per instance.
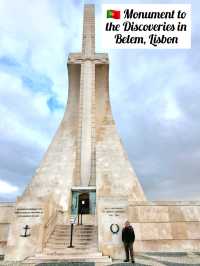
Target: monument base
pixel 159 226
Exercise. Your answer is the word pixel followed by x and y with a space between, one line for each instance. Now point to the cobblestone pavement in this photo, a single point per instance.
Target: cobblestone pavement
pixel 150 259
pixel 165 259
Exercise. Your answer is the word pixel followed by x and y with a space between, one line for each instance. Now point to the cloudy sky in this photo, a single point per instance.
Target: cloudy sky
pixel 155 96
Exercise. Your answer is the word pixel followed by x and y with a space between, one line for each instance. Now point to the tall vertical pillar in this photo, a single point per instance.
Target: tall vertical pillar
pixel 87 87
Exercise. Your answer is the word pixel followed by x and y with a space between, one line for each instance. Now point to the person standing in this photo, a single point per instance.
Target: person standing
pixel 128 238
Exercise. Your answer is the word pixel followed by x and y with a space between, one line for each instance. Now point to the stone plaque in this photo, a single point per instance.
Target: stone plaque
pixel 29 212
pixel 114 211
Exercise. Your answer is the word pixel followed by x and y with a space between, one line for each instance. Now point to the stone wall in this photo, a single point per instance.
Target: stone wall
pixel 36 213
pixel 6 217
pixel 166 226
pixel 111 210
pixel 159 226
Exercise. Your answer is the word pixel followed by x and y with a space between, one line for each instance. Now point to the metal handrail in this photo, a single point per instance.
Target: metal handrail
pixel 71 231
pixel 75 218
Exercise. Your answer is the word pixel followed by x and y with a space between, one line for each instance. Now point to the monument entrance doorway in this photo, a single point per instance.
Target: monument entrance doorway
pixel 83 201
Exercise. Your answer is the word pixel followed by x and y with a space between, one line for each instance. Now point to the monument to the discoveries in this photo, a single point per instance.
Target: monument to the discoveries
pixel 85 170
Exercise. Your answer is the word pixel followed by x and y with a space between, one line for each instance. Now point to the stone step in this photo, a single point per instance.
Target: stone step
pixel 70 252
pixel 84 240
pixel 86 236
pixel 66 250
pixel 64 225
pixel 74 232
pixel 69 257
pixel 77 227
pixel 75 244
pixel 75 238
pixel 81 239
pixel 66 241
pixel 63 247
pixel 67 227
pixel 89 257
pixel 104 260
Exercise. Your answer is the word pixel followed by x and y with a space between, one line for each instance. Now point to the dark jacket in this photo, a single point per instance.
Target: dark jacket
pixel 128 234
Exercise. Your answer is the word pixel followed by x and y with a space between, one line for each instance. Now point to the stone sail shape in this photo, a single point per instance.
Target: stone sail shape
pixel 86 145
pixel 86 151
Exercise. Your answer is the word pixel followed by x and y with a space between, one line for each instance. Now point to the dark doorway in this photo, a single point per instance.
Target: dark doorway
pixel 84 203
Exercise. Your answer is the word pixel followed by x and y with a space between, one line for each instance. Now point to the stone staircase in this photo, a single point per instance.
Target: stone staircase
pixel 84 241
pixel 84 237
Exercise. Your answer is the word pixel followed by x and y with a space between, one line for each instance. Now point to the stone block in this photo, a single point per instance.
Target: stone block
pixel 179 230
pixel 176 214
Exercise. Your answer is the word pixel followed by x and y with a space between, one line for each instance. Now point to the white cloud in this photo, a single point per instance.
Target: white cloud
pixel 13 47
pixel 41 32
pixel 7 188
pixel 26 114
pixel 171 109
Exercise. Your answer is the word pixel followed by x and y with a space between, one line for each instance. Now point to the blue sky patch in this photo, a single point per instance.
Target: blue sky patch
pixel 53 104
pixel 31 79
pixel 8 61
pixel 37 82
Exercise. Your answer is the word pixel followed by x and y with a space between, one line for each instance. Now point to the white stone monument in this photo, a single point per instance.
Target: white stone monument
pixel 86 171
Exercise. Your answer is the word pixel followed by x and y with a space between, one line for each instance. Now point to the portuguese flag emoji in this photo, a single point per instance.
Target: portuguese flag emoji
pixel 113 14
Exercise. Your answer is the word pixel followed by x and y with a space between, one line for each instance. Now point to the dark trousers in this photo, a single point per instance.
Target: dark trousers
pixel 129 249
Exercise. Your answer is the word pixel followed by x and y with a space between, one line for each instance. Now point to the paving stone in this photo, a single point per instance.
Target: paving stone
pixel 67 264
